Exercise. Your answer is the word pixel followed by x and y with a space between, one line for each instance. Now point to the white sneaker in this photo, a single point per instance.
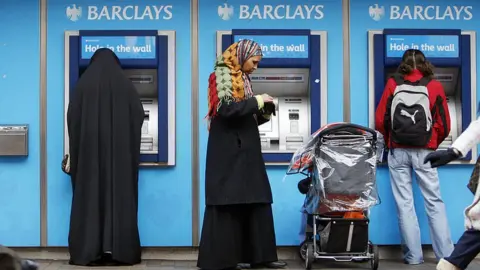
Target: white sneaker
pixel 446 265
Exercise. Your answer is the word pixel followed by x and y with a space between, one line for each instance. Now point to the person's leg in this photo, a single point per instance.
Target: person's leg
pixel 221 240
pixel 427 178
pixel 467 248
pixel 259 236
pixel 399 164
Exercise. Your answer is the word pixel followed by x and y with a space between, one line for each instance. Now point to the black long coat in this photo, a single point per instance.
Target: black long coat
pixel 105 118
pixel 235 169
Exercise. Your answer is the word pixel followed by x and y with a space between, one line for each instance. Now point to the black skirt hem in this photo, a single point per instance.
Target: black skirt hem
pixel 234 234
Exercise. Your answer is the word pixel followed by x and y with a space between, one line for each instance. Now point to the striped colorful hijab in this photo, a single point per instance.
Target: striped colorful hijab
pixel 228 83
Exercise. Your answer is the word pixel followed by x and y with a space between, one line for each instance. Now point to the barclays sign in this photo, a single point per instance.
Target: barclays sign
pixel 421 12
pixel 271 12
pixel 120 13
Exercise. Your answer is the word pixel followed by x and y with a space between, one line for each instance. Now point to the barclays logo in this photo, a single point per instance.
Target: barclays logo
pixel 271 12
pixel 376 12
pixel 225 12
pixel 120 13
pixel 74 13
pixel 422 13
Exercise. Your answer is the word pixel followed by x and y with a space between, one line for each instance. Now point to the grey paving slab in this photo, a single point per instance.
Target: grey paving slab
pixel 297 265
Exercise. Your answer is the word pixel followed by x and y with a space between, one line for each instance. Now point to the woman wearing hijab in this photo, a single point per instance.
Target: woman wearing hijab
pixel 238 222
pixel 105 118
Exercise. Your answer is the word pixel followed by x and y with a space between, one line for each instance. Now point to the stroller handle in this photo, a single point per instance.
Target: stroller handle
pixel 341 126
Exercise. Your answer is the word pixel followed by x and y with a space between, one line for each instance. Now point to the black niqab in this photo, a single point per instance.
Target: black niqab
pixel 105 117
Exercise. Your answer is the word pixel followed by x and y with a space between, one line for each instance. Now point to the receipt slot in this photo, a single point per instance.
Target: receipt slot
pixel 293 71
pixel 452 52
pixel 148 60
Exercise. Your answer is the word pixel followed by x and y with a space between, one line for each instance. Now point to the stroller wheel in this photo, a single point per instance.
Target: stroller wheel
pixel 310 256
pixel 302 250
pixel 375 258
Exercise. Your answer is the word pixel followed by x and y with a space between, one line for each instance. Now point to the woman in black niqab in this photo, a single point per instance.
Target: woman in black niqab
pixel 104 118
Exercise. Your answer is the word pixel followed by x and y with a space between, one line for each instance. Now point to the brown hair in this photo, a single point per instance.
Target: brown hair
pixel 414 59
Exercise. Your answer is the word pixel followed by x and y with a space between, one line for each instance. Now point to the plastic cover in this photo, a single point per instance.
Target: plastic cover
pixel 342 165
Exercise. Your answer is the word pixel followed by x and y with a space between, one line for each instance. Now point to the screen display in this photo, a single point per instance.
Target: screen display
pixel 436 46
pixel 125 47
pixel 280 46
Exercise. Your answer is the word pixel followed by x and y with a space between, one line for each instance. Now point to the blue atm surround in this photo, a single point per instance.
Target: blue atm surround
pixel 160 62
pixel 463 61
pixel 312 62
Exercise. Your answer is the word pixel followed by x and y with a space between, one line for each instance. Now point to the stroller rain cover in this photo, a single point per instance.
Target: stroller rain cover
pixel 341 159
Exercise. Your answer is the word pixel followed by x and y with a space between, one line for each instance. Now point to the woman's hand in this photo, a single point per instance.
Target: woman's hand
pixel 266 98
pixel 441 157
pixel 269 108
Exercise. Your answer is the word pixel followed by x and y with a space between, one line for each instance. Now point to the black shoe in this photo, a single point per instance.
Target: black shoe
pixel 271 265
pixel 241 266
pixel 29 265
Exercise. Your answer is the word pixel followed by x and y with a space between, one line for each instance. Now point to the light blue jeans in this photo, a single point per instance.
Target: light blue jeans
pixel 401 162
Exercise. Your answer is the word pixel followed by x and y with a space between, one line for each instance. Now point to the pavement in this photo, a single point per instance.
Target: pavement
pixel 324 265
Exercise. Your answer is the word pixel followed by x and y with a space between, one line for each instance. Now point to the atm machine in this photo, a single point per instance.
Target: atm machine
pixel 456 72
pixel 145 81
pixel 152 72
pixel 298 85
pixel 289 129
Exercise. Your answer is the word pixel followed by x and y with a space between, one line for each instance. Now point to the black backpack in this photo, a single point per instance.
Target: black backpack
pixel 408 117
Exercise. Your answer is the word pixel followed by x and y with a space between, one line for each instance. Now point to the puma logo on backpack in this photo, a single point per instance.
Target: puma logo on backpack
pixel 405 113
pixel 409 116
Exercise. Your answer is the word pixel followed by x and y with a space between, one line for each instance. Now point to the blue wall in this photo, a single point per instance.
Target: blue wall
pixel 19 104
pixel 287 199
pixel 164 193
pixel 453 178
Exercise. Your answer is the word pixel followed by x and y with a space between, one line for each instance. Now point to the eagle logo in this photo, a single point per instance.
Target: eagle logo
pixel 225 12
pixel 74 13
pixel 376 12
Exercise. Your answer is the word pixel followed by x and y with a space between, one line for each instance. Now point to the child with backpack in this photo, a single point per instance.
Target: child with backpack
pixel 413 117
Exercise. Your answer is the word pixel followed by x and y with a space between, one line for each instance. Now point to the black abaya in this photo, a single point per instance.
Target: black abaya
pixel 104 118
pixel 238 223
pixel 232 234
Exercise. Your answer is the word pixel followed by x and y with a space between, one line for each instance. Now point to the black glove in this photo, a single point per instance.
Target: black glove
pixel 304 185
pixel 66 164
pixel 269 108
pixel 441 157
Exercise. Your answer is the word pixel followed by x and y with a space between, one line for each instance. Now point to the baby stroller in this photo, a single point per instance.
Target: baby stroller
pixel 340 164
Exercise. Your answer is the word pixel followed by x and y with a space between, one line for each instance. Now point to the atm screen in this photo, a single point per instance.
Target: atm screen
pixel 293 116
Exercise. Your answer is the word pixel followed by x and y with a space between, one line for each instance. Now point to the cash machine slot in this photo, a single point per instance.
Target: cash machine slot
pixel 290 128
pixel 140 79
pixel 145 81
